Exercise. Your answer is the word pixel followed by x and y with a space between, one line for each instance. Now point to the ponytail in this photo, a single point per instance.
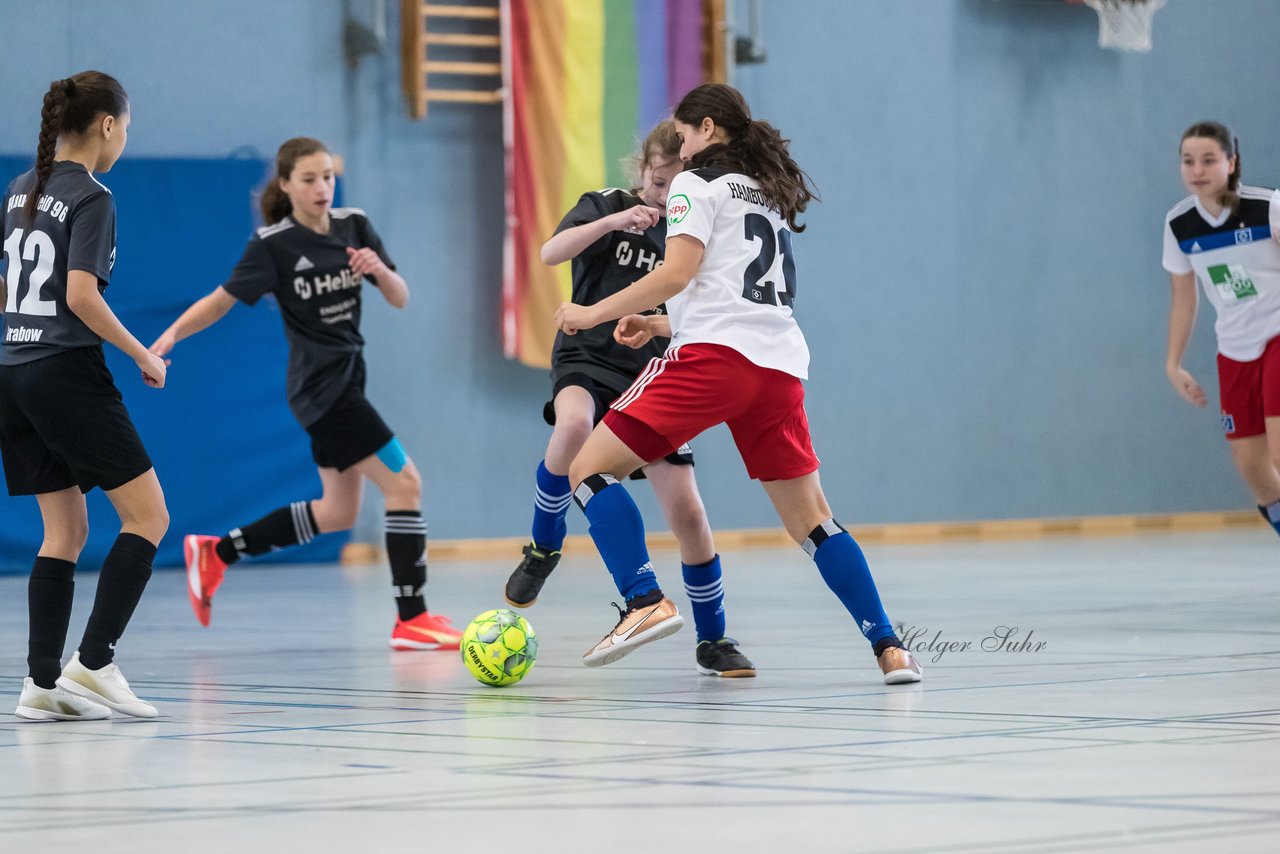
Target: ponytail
pixel 275 202
pixel 50 126
pixel 754 148
pixel 1230 145
pixel 71 106
pixel 1231 198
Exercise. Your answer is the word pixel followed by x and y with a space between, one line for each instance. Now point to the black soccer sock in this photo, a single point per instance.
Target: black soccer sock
pixel 289 526
pixel 124 576
pixel 49 594
pixel 407 553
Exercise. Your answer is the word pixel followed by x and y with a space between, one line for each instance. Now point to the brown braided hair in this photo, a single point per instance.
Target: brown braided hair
pixel 71 106
pixel 275 202
pixel 1222 135
pixel 755 148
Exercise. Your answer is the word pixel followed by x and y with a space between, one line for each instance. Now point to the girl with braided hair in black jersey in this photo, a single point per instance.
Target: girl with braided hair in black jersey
pixel 64 429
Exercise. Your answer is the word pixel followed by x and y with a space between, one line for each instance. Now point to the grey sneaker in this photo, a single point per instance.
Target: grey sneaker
pixel 106 686
pixel 54 704
pixel 722 658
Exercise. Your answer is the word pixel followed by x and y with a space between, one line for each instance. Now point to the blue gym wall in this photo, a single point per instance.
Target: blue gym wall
pixel 981 285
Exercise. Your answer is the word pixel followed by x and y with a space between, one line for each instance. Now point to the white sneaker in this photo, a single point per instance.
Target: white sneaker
pixel 106 686
pixel 55 704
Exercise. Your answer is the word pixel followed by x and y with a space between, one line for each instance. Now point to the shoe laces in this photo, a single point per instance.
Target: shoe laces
pixel 111 673
pixel 622 614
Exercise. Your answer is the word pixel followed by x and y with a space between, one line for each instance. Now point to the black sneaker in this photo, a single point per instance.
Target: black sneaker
pixel 721 658
pixel 525 583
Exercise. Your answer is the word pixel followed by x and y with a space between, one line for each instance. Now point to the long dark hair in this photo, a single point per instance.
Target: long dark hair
pixel 275 202
pixel 70 106
pixel 754 148
pixel 1222 135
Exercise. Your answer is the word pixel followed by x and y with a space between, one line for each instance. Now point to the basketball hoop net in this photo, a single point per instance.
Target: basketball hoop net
pixel 1125 24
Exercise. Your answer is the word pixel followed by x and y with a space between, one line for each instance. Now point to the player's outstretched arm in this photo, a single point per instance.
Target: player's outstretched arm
pixel 86 302
pixel 569 243
pixel 683 257
pixel 203 313
pixel 1182 318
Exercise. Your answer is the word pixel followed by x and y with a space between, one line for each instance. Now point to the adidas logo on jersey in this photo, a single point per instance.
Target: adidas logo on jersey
pixel 303 264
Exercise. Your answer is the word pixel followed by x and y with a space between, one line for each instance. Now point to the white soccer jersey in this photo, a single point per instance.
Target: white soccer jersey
pixel 742 293
pixel 1237 263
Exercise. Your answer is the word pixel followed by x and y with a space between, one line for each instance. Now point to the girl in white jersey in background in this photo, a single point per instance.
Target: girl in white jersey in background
pixel 1222 235
pixel 737 357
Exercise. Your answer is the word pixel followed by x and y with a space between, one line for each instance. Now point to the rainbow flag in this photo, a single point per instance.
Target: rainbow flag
pixel 585 81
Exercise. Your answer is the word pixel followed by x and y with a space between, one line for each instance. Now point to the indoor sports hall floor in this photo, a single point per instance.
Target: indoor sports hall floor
pixel 1149 721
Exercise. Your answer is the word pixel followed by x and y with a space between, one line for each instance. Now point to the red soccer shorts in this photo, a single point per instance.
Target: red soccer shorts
pixel 698 386
pixel 1250 392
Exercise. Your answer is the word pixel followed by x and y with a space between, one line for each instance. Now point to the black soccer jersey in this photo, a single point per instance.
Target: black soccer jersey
pixel 74 228
pixel 319 298
pixel 613 262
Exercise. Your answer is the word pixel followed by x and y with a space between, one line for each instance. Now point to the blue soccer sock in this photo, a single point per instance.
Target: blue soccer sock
pixel 845 570
pixel 706 597
pixel 618 531
pixel 1271 512
pixel 551 500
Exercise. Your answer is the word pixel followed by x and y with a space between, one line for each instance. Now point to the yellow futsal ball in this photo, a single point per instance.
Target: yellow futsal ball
pixel 499 647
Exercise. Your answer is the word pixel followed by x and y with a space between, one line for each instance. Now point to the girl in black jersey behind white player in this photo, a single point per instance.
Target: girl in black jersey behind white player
pixel 63 426
pixel 314 259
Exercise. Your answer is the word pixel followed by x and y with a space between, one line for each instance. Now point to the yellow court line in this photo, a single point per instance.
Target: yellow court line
pixel 891 534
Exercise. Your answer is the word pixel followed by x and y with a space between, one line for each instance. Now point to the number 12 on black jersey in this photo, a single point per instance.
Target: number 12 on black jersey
pixel 39 248
pixel 754 289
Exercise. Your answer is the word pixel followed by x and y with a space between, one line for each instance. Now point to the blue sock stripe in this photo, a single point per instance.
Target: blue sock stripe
pixel 705 588
pixel 549 507
pixel 551 500
pixel 707 595
pixel 553 495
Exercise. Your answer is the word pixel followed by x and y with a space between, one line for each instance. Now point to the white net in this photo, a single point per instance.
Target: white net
pixel 1125 24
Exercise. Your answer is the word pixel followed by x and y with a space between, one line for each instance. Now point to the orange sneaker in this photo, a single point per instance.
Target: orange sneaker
pixel 899 666
pixel 425 631
pixel 205 571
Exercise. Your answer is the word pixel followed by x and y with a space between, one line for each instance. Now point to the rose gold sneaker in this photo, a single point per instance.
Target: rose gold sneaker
pixel 636 627
pixel 899 666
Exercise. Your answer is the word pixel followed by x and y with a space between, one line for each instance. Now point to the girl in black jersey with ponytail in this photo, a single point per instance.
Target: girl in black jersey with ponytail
pixel 63 426
pixel 314 259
